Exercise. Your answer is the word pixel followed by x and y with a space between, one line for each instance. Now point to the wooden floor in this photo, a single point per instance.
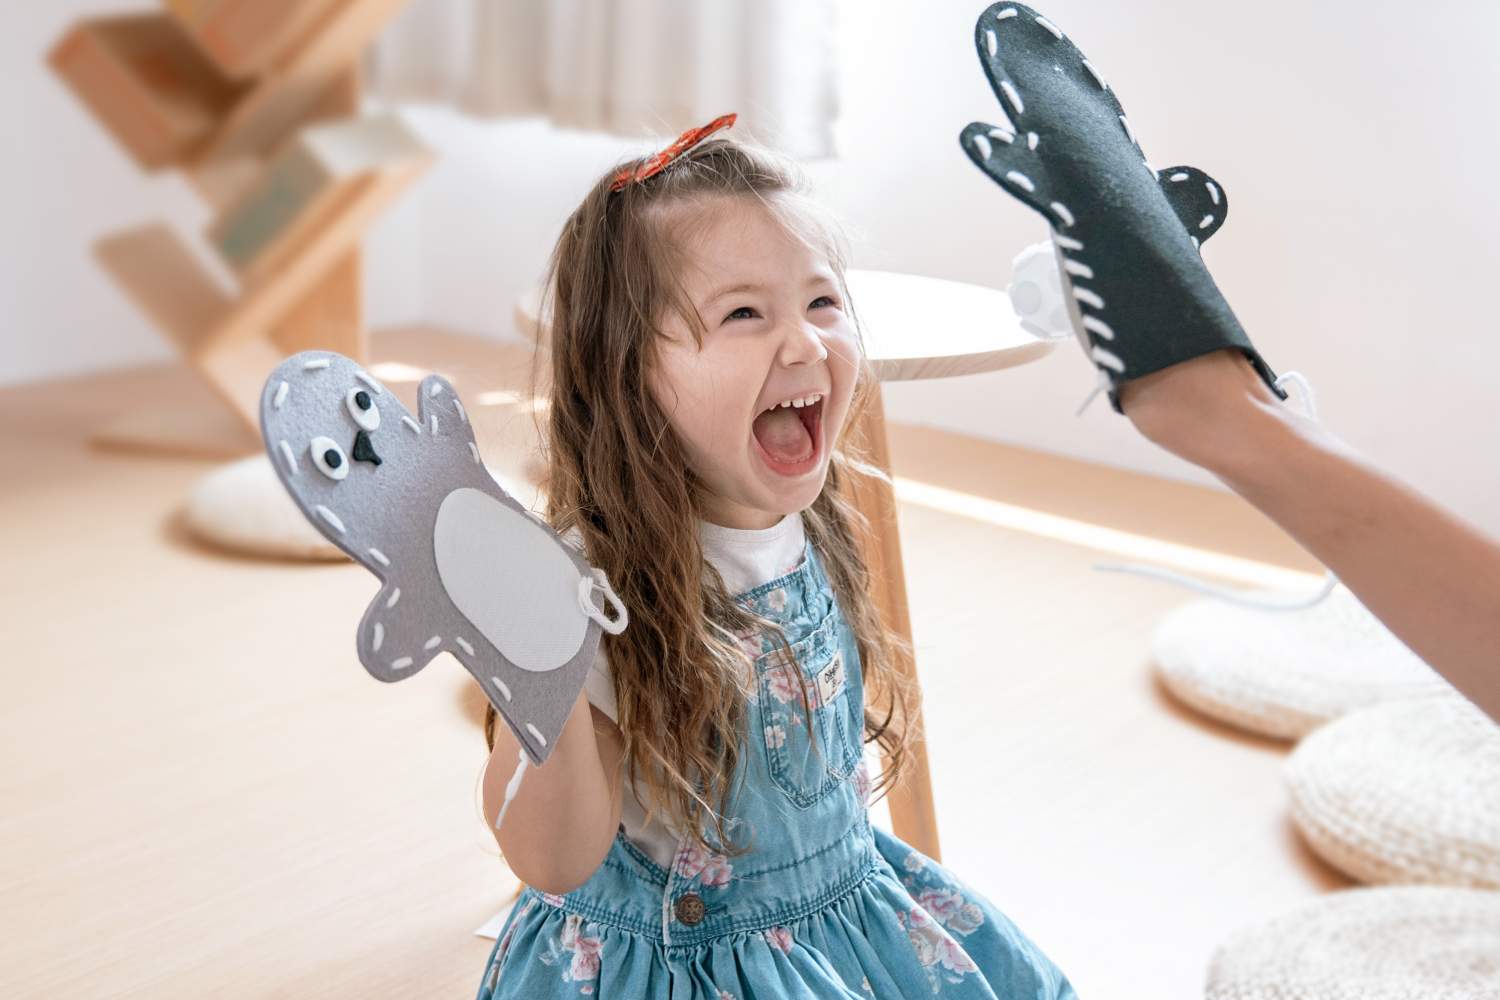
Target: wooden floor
pixel 204 793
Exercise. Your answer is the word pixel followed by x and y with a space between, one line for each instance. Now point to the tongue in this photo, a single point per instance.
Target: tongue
pixel 782 434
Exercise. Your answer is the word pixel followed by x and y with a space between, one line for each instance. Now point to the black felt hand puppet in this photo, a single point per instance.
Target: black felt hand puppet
pixel 1126 235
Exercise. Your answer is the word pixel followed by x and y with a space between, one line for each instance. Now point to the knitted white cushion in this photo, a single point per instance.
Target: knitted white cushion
pixel 1402 793
pixel 1415 943
pixel 1283 673
pixel 243 506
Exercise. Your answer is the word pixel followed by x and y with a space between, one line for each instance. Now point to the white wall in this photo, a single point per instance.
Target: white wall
pixel 1354 139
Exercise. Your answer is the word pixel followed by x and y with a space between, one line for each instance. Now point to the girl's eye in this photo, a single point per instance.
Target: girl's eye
pixel 736 313
pixel 825 298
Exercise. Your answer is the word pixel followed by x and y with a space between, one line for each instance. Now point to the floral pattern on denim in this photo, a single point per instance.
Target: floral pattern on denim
pixel 713 871
pixel 942 911
pixel 579 949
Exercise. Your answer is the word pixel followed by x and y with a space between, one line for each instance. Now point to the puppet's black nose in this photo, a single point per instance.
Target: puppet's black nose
pixel 363 450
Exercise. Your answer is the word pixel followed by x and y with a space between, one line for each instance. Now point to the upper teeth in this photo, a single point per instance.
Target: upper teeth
pixel 799 403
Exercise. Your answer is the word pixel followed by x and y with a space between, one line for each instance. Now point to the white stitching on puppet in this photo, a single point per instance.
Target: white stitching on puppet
pixel 1066 242
pixel 1129 132
pixel 1065 216
pixel 331 518
pixel 315 364
pixel 281 391
pixel 433 643
pixel 1050 27
pixel 390 602
pixel 1006 13
pixel 432 422
pixel 1179 176
pixel 984 146
pixel 402 663
pixel 1195 242
pixel 379 637
pixel 1208 220
pixel 1020 180
pixel 1095 74
pixel 1213 190
pixel 378 556
pixel 369 380
pixel 1099 327
pixel 536 734
pixel 434 389
pixel 1012 96
pixel 501 686
pixel 1107 359
pixel 474 450
pixel 291 459
pixel 991 41
pixel 1032 139
pixel 1002 135
pixel 408 421
pixel 1088 297
pixel 463 644
pixel 1077 268
pixel 460 408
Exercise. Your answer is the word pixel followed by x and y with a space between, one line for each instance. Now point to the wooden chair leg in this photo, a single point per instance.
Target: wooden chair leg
pixel 913 814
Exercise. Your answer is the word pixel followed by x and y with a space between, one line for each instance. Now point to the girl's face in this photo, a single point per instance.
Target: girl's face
pixel 760 404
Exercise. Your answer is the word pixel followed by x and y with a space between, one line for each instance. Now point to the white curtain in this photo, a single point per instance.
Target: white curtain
pixel 630 67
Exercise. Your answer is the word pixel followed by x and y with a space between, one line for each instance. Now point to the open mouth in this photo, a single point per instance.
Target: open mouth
pixel 789 436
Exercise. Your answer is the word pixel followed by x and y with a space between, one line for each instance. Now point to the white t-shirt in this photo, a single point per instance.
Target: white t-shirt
pixel 745 559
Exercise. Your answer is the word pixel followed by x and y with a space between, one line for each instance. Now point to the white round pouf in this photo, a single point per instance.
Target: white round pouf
pixel 1283 673
pixel 243 507
pixel 1407 792
pixel 1416 943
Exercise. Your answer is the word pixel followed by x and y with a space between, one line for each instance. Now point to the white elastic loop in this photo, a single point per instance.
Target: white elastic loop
pixel 1099 386
pixel 1270 603
pixel 511 788
pixel 1304 390
pixel 586 587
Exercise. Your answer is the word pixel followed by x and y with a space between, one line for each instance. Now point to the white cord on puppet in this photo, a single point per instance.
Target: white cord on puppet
pixel 1266 603
pixel 511 788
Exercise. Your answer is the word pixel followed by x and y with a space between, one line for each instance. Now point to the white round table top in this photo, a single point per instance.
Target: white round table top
pixel 915 327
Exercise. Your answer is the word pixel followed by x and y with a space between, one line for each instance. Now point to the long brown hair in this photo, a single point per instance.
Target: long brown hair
pixel 618 475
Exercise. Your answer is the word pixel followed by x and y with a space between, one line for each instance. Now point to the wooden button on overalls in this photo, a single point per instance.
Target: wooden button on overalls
pixel 689 908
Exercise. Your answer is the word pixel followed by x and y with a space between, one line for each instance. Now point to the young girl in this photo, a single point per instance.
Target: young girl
pixel 701 828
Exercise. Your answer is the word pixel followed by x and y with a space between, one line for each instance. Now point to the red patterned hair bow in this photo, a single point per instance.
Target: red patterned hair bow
pixel 683 143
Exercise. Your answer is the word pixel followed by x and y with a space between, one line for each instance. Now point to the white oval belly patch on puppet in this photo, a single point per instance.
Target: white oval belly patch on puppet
pixel 532 616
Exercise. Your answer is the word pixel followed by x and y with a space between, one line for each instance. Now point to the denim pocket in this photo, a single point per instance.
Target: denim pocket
pixel 819 682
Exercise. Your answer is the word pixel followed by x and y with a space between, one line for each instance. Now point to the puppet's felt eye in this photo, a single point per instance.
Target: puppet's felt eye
pixel 363 409
pixel 329 457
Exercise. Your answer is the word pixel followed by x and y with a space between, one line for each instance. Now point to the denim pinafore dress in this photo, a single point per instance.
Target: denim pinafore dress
pixel 822 905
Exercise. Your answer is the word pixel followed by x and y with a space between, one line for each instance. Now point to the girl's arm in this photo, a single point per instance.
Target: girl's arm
pixel 564 817
pixel 1432 578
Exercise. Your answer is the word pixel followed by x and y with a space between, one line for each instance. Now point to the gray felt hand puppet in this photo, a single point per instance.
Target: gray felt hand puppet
pixel 466 569
pixel 1126 236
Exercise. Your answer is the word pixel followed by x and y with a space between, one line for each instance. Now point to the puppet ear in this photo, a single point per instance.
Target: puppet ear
pixel 1010 160
pixel 1198 200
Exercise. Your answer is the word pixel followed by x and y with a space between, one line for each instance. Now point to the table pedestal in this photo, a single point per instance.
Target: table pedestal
pixel 913 816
